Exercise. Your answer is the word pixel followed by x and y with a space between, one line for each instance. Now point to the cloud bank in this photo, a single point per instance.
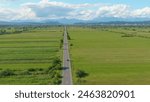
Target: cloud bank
pixel 55 10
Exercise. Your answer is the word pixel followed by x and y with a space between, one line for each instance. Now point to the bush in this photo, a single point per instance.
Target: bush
pixel 68 37
pixel 57 75
pixel 6 72
pixel 53 71
pixel 50 68
pixel 58 67
pixel 31 70
pixel 61 41
pixel 81 74
pixel 52 74
pixel 56 81
pixel 71 44
pixel 40 69
pixel 56 61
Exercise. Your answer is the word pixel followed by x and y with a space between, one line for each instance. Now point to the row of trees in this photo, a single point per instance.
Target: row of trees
pixel 13 30
pixel 54 71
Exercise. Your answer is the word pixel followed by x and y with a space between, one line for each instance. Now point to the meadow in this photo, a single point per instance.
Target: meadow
pixel 26 56
pixel 111 55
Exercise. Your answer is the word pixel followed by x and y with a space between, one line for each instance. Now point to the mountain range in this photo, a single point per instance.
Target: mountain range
pixel 62 21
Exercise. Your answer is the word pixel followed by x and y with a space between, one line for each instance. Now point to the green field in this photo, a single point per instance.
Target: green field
pixel 109 57
pixel 29 54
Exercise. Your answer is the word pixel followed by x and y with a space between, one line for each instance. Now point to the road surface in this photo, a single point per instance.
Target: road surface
pixel 67 74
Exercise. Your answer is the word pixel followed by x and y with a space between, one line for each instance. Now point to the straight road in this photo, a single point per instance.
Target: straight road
pixel 67 74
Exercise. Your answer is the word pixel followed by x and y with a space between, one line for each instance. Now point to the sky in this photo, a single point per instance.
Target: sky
pixel 73 9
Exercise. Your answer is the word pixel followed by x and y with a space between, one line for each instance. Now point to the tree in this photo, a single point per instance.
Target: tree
pixel 56 81
pixel 69 38
pixel 2 31
pixel 61 43
pixel 56 61
pixel 53 71
pixel 80 74
pixel 55 78
pixel 56 65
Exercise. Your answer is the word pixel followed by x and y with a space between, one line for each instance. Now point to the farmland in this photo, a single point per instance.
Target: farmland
pixel 26 56
pixel 111 55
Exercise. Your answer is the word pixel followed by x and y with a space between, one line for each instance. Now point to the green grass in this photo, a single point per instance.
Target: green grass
pixel 110 58
pixel 33 49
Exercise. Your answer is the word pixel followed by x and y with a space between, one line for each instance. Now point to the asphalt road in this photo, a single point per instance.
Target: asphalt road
pixel 67 74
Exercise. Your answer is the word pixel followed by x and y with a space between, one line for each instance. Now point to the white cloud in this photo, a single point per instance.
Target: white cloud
pixel 45 9
pixel 14 14
pixel 60 10
pixel 53 10
pixel 118 10
pixel 144 12
pixel 83 14
pixel 7 13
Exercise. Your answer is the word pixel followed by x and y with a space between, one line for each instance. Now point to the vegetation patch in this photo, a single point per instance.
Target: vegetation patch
pixel 32 70
pixel 80 74
pixel 108 58
pixel 54 71
pixel 28 51
pixel 128 35
pixel 68 36
pixel 6 73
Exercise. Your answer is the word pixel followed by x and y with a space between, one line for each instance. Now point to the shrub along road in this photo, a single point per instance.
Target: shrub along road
pixel 67 76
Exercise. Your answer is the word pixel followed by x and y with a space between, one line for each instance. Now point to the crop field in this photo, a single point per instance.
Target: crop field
pixel 111 55
pixel 25 57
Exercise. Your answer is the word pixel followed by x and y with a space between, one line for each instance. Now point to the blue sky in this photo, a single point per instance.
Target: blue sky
pixel 73 9
pixel 133 3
